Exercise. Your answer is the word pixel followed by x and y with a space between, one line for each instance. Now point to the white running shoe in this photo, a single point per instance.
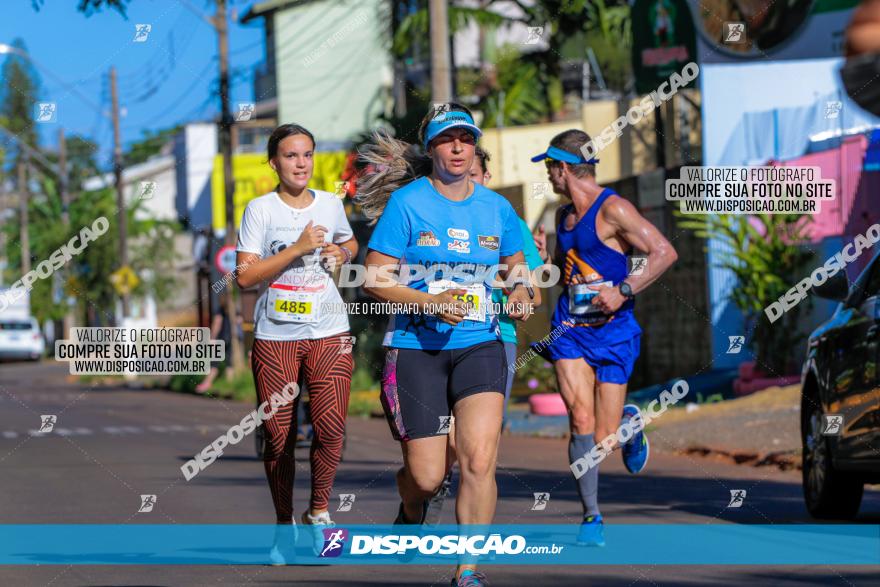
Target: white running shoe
pixel 317 524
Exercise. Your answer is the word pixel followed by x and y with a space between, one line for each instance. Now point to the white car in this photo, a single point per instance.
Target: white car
pixel 20 338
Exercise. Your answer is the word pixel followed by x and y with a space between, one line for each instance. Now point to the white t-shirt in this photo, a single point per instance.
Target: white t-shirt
pixel 302 302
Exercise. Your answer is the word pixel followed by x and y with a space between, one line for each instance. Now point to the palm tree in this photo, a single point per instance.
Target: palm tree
pixel 582 22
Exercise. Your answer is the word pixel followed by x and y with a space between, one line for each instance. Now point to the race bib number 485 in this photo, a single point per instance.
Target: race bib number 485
pixel 290 306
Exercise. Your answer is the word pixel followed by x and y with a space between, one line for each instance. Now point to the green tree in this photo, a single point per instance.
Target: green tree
pixel 609 34
pixel 414 29
pixel 81 162
pixel 516 98
pixel 149 145
pixel 90 7
pixel 17 98
pixel 570 26
pixel 87 275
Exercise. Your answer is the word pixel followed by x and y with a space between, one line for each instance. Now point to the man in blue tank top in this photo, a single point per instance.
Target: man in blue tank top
pixel 598 336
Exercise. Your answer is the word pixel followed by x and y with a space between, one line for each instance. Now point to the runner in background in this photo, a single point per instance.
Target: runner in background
pixel 599 342
pixel 446 358
pixel 288 242
pixel 480 174
pixel 220 330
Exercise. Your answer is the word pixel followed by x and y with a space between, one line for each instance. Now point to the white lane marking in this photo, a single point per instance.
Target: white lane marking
pixel 118 430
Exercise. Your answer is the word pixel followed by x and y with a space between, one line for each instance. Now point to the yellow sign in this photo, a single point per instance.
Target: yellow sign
pixel 253 177
pixel 124 280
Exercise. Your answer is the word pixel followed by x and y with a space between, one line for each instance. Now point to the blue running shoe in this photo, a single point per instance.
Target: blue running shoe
pixel 470 578
pixel 637 449
pixel 316 525
pixel 284 546
pixel 592 532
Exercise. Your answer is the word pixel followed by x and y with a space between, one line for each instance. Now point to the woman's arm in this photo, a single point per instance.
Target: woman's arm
pixel 382 285
pixel 252 269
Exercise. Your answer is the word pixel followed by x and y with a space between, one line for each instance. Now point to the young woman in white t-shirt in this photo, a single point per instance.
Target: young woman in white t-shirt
pixel 288 242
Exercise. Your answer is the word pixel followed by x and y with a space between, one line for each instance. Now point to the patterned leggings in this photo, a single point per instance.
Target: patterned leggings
pixel 328 365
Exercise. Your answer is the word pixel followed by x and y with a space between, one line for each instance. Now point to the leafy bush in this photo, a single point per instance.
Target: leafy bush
pixel 241 387
pixel 184 383
pixel 538 376
pixel 364 403
pixel 766 257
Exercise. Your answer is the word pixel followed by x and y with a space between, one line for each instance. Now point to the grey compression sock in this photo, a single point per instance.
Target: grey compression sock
pixel 588 484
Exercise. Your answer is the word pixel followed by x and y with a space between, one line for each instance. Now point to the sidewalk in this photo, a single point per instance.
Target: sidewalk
pixel 759 429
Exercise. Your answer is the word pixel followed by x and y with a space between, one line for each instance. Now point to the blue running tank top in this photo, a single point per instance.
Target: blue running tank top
pixel 584 253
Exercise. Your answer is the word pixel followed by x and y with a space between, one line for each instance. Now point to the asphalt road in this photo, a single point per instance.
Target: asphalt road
pixel 109 446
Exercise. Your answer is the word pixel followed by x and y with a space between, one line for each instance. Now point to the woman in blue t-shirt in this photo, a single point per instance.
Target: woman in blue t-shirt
pixel 445 358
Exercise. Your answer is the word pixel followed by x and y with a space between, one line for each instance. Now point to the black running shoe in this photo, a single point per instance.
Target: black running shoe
pixel 401 517
pixel 435 505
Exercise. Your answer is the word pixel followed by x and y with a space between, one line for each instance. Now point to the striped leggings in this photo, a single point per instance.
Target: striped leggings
pixel 327 369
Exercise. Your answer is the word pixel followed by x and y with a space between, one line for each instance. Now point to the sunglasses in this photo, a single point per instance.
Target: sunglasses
pixel 549 163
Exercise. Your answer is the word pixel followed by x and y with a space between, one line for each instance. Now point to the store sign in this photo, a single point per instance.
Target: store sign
pixel 663 41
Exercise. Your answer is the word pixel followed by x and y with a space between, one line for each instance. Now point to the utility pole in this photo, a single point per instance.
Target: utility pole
pixel 225 137
pixel 63 185
pixel 3 258
pixel 121 217
pixel 441 75
pixel 660 139
pixel 23 218
pixel 62 178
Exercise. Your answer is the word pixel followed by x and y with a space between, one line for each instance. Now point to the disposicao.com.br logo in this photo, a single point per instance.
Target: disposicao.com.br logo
pixel 448 544
pixel 334 542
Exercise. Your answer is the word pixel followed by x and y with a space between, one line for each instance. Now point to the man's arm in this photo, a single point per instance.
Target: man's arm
pixel 540 239
pixel 642 235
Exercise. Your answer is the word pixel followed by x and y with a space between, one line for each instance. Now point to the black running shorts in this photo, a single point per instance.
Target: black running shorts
pixel 420 387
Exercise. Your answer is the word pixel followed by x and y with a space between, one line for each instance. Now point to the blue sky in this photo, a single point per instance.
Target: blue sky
pixel 162 81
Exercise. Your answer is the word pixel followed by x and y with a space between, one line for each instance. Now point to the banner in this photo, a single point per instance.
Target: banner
pixel 520 544
pixel 663 41
pixel 253 177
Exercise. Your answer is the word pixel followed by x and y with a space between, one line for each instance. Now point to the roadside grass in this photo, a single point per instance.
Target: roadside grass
pixel 364 401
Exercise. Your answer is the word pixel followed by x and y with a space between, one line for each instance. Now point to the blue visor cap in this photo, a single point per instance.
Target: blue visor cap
pixel 560 155
pixel 452 119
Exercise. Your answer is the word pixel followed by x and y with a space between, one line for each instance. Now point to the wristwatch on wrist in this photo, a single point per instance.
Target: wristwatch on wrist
pixel 529 289
pixel 625 290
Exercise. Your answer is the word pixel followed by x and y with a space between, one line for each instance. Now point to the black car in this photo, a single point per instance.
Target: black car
pixel 840 398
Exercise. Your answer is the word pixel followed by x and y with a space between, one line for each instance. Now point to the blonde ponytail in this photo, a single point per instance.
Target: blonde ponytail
pixel 391 164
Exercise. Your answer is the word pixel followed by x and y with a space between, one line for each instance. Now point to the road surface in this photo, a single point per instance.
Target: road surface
pixel 109 446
